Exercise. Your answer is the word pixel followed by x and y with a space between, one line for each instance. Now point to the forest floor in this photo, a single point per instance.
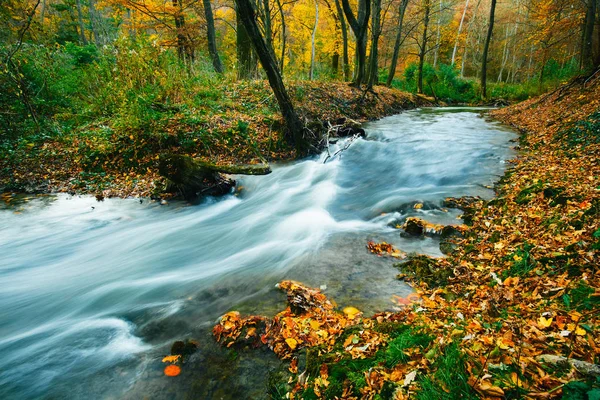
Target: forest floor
pixel 234 123
pixel 490 320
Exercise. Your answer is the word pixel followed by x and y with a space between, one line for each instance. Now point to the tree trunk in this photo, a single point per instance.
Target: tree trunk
pixel 437 37
pixel 311 73
pixel 359 27
pixel 94 22
pixel 283 36
pixel 130 23
pixel 505 55
pixel 335 63
pixel 211 36
pixel 80 20
pixel 597 60
pixel 267 26
pixel 398 43
pixel 183 50
pixel 43 13
pixel 295 128
pixel 345 58
pixel 374 56
pixel 462 20
pixel 423 47
pixel 587 58
pixel 245 56
pixel 486 48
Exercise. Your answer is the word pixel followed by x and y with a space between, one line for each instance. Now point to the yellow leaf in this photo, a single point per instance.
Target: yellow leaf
pixel 292 343
pixel 544 322
pixel 171 359
pixel 315 325
pixel 580 331
pixel 351 312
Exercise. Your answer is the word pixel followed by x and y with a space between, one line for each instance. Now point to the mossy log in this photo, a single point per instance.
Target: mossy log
pixel 192 177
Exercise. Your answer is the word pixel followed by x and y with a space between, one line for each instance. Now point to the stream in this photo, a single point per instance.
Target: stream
pixel 93 294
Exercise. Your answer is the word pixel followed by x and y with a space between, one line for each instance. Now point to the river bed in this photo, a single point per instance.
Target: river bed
pixel 93 294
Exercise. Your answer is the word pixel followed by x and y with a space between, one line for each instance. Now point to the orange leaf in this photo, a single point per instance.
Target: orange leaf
pixel 172 370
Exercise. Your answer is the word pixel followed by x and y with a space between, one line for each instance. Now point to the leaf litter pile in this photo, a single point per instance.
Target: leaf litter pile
pixel 516 314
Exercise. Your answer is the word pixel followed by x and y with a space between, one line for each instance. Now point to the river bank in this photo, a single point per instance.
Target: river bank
pixel 232 123
pixel 516 311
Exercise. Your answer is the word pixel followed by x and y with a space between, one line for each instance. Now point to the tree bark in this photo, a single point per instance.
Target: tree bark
pixel 359 27
pixel 80 20
pixel 344 28
pixel 587 58
pixel 423 47
pixel 211 37
pixel 295 128
pixel 486 48
pixel 375 33
pixel 247 65
pixel 398 43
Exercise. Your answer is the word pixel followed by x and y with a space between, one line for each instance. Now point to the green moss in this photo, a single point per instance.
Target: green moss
pixel 425 269
pixel 528 193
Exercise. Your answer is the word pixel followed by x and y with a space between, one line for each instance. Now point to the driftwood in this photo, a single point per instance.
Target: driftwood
pixel 192 177
pixel 240 169
pixel 584 368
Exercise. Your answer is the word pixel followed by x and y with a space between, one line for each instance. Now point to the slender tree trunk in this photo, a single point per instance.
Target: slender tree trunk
pixel 267 25
pixel 130 23
pixel 311 73
pixel 375 33
pixel 294 126
pixel 283 36
pixel 345 58
pixel 179 27
pixel 398 42
pixel 504 55
pixel 359 27
pixel 80 20
pixel 43 13
pixel 94 22
pixel 245 56
pixel 211 37
pixel 597 60
pixel 423 47
pixel 437 36
pixel 462 20
pixel 463 60
pixel 486 48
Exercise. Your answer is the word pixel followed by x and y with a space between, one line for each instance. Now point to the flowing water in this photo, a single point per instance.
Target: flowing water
pixel 92 294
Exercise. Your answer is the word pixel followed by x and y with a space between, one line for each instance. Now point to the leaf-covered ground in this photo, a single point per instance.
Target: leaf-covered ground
pixel 521 288
pixel 233 123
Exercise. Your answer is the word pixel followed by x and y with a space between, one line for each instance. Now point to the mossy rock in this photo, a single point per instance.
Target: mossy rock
pixel 425 269
pixel 449 236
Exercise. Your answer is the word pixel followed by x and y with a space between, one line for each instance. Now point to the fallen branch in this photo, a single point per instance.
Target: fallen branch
pixel 346 146
pixel 584 368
